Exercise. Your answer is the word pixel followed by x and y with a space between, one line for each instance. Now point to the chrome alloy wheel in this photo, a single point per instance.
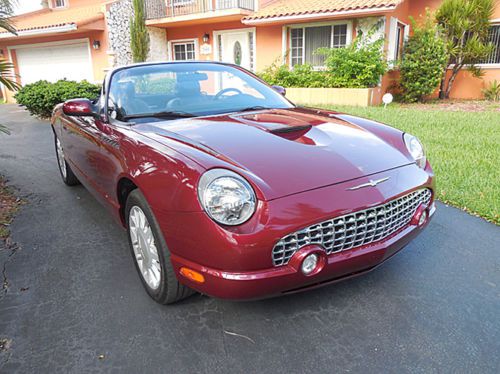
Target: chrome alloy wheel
pixel 60 158
pixel 144 246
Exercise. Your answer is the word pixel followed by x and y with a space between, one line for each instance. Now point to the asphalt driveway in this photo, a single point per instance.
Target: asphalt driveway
pixel 73 301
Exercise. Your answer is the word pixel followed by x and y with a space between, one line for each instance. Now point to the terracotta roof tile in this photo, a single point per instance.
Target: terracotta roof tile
pixel 283 8
pixel 49 18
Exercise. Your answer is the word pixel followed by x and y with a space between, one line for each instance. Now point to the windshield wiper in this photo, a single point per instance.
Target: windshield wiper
pixel 251 108
pixel 166 114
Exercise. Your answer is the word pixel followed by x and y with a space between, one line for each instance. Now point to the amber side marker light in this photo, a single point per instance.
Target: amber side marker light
pixel 192 275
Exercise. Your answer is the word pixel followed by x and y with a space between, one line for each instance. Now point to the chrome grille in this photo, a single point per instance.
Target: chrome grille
pixel 355 229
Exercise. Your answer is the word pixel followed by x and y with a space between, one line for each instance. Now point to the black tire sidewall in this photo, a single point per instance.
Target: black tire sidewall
pixel 70 179
pixel 161 294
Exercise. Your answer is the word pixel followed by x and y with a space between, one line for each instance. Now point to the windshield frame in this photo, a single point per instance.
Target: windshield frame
pixel 109 79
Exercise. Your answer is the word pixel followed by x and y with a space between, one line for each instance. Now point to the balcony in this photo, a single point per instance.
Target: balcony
pixel 168 12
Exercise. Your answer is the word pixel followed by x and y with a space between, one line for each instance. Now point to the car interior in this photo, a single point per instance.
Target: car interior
pixel 138 91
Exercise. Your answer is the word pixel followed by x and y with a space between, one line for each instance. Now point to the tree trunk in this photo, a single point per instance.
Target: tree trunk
pixel 442 87
pixel 454 74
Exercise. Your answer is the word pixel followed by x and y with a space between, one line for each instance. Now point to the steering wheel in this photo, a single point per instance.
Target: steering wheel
pixel 172 103
pixel 226 90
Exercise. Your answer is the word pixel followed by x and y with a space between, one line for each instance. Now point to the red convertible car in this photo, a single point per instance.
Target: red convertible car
pixel 227 188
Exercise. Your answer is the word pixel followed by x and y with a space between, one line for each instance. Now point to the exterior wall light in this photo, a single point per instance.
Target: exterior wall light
pixel 96 45
pixel 206 38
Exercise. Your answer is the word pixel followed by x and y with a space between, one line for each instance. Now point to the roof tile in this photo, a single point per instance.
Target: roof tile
pixel 48 18
pixel 283 8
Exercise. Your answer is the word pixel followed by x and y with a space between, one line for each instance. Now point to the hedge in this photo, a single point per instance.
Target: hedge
pixel 41 97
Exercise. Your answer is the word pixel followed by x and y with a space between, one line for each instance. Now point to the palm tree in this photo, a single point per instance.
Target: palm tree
pixel 7 11
pixel 7 75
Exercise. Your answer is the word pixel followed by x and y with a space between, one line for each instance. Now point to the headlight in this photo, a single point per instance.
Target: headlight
pixel 226 197
pixel 416 149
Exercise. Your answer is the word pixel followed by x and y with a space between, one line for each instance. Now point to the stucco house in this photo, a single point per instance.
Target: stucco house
pixel 82 39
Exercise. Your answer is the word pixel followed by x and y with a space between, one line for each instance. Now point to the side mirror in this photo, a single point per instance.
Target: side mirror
pixel 79 108
pixel 279 89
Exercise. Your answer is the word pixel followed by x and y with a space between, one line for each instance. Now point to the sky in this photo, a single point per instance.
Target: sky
pixel 24 6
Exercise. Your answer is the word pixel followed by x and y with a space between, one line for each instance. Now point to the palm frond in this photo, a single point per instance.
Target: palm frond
pixel 8 76
pixel 6 12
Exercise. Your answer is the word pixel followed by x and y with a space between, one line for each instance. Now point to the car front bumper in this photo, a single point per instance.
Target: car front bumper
pixel 236 263
pixel 289 278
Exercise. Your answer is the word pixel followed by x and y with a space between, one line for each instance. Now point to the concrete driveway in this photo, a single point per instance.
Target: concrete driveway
pixel 74 303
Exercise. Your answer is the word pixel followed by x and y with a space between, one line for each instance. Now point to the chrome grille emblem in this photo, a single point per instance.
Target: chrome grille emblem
pixel 371 183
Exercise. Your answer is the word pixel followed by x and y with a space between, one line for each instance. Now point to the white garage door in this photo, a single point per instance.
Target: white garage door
pixel 53 62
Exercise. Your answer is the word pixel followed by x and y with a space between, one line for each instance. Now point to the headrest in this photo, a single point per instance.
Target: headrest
pixel 186 86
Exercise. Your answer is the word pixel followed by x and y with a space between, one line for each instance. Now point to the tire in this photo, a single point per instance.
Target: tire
pixel 164 287
pixel 67 175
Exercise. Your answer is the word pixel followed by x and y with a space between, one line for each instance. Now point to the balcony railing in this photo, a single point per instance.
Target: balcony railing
pixel 171 8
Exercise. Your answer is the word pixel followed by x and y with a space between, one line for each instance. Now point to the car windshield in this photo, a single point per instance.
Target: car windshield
pixel 187 90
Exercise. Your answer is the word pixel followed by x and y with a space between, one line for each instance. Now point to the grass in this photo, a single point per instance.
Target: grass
pixel 463 148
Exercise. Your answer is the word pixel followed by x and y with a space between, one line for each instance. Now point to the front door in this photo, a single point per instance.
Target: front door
pixel 237 47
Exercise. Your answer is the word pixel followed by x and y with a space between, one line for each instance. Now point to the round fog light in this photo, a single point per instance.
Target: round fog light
pixel 423 218
pixel 309 264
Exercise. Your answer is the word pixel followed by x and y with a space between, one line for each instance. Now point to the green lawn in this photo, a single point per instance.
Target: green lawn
pixel 463 148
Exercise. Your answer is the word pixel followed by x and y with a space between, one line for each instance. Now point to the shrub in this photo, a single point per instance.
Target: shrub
pixel 299 76
pixel 492 92
pixel 41 97
pixel 358 65
pixel 423 62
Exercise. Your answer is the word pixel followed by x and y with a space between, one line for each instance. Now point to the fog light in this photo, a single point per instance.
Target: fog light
pixel 423 218
pixel 309 264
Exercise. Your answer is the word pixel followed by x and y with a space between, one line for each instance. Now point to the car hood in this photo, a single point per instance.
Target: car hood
pixel 289 150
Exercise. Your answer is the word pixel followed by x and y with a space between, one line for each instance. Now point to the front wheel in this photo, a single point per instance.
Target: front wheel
pixel 150 252
pixel 67 174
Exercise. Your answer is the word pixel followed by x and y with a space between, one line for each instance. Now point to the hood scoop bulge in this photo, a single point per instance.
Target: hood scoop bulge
pixel 286 125
pixel 291 132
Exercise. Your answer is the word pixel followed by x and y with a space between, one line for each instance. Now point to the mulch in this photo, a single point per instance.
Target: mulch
pixel 457 106
pixel 9 204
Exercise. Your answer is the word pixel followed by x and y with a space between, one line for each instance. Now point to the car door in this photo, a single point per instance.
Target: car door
pixel 111 162
pixel 82 147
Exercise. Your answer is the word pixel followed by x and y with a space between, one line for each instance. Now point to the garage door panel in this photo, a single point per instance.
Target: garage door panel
pixel 70 61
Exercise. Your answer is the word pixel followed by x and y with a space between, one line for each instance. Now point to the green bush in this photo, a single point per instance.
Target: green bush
pixel 359 65
pixel 423 62
pixel 41 97
pixel 492 92
pixel 299 76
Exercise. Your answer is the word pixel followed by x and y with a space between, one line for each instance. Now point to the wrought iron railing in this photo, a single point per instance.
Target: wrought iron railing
pixel 494 39
pixel 171 8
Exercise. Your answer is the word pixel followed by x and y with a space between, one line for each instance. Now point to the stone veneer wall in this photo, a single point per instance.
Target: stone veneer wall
pixel 157 44
pixel 118 20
